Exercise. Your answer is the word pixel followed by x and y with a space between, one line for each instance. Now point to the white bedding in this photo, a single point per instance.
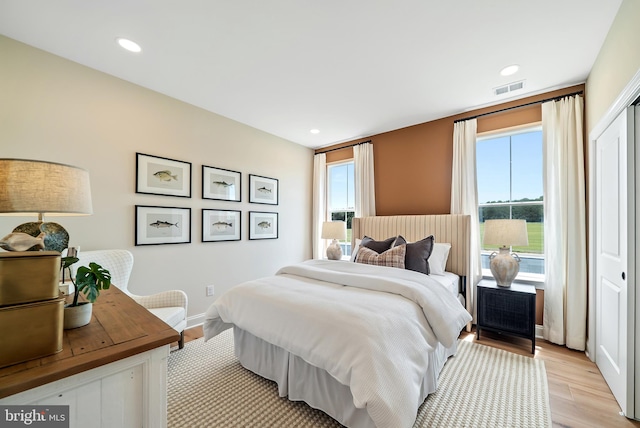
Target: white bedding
pixel 449 280
pixel 387 319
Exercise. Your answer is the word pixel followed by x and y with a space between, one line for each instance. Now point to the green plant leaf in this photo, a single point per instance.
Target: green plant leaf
pixel 90 280
pixel 68 261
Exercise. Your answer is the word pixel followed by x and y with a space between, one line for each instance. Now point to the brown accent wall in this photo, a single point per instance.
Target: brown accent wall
pixel 340 155
pixel 413 164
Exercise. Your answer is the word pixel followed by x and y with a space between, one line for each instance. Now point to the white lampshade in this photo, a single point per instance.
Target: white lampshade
pixel 38 187
pixel 334 230
pixel 506 233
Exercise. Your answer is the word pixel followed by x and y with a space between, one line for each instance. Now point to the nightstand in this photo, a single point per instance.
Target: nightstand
pixel 508 310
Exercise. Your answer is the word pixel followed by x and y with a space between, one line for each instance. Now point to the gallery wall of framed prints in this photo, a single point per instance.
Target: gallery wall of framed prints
pixel 155 225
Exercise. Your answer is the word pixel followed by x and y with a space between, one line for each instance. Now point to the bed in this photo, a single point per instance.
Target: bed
pixel 454 229
pixel 365 344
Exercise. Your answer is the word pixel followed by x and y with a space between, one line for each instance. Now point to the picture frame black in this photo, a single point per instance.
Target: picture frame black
pixel 156 175
pixel 157 225
pixel 221 184
pixel 263 225
pixel 263 190
pixel 221 225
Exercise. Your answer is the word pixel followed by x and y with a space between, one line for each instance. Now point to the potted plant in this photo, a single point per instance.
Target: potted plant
pixel 89 280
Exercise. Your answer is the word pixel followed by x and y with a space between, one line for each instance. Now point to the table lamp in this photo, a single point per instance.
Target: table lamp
pixel 336 230
pixel 505 233
pixel 40 187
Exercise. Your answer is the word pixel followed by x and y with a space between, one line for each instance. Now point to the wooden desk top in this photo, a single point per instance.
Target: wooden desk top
pixel 119 328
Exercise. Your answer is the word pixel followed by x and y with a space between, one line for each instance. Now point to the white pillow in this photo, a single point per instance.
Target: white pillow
pixel 354 250
pixel 438 259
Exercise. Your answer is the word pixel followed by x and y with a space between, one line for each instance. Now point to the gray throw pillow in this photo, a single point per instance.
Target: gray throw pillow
pixel 418 253
pixel 378 246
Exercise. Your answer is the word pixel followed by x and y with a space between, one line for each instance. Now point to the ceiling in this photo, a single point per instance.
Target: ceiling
pixel 349 68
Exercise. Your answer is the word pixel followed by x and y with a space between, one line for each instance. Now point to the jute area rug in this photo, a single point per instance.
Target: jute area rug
pixel 480 387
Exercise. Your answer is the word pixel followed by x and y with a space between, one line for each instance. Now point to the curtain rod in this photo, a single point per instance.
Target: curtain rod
pixel 559 97
pixel 343 147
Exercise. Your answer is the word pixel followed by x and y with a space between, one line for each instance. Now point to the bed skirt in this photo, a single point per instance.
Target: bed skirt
pixel 300 381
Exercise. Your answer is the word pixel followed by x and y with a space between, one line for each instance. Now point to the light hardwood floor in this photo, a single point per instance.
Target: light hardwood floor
pixel 579 396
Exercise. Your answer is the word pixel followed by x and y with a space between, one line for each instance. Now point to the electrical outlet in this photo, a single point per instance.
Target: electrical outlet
pixel 210 290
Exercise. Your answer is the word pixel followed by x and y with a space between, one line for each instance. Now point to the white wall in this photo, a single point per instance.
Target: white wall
pixel 617 62
pixel 56 110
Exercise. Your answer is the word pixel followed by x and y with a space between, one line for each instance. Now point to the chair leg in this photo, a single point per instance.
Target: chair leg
pixel 181 341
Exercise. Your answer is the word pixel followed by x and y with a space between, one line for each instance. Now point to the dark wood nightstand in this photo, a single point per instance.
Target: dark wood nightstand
pixel 508 310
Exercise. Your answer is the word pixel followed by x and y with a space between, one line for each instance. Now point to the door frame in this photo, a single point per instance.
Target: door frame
pixel 625 99
pixel 624 127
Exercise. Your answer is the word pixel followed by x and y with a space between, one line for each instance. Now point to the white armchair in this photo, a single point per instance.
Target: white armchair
pixel 170 306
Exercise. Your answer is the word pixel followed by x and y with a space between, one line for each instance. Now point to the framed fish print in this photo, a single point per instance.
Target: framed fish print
pixel 263 190
pixel 220 225
pixel 162 176
pixel 162 225
pixel 221 184
pixel 263 225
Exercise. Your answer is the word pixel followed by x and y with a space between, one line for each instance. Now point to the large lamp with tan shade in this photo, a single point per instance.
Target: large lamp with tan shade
pixel 506 233
pixel 335 230
pixel 40 187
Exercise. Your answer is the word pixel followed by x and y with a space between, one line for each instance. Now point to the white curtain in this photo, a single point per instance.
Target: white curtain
pixel 565 285
pixel 365 181
pixel 319 203
pixel 464 197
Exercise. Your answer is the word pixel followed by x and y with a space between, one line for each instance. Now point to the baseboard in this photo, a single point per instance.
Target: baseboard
pixel 539 332
pixel 195 320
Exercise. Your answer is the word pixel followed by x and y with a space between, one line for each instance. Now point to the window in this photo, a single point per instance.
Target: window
pixel 341 197
pixel 509 177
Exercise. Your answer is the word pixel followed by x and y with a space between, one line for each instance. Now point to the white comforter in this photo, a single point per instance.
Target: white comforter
pixel 370 327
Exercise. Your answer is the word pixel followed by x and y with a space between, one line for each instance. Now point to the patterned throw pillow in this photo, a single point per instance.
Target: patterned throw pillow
pixel 391 258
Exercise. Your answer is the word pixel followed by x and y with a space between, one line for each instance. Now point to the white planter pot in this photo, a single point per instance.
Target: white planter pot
pixel 77 316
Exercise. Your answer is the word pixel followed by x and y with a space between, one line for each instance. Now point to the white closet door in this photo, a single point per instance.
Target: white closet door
pixel 615 219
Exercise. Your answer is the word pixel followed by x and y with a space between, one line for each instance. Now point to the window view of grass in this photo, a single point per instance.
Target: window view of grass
pixel 510 186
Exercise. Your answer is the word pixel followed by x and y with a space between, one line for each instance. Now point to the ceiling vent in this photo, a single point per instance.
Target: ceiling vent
pixel 510 87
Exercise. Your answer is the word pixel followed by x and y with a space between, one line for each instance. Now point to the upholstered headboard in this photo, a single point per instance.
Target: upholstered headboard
pixel 450 228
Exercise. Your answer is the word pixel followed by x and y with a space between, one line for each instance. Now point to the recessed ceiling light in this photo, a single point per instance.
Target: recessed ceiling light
pixel 509 70
pixel 315 131
pixel 129 45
